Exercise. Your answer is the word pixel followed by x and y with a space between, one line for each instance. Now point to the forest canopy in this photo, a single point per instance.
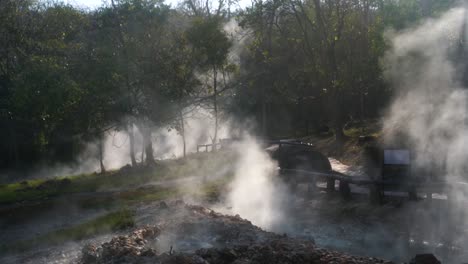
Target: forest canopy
pixel 67 75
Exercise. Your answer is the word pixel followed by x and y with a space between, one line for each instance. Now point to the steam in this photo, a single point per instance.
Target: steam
pixel 239 38
pixel 167 144
pixel 430 109
pixel 429 116
pixel 256 193
pixel 167 141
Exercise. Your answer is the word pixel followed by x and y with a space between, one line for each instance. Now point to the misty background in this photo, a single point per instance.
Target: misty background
pixel 138 78
pixel 137 86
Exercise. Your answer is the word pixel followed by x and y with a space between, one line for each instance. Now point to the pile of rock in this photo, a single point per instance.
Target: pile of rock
pixel 122 248
pixel 197 235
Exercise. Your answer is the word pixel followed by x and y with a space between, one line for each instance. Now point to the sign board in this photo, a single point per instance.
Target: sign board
pixel 396 157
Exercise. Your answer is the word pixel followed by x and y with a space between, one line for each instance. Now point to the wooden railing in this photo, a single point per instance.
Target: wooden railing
pixel 208 147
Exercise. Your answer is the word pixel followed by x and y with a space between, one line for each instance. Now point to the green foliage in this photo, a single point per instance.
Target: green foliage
pixel 112 221
pixel 41 189
pixel 208 40
pixel 317 63
pixel 116 203
pixel 68 75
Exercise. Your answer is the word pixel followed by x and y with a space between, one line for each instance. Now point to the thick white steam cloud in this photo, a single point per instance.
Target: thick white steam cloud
pixel 430 110
pixel 429 115
pixel 256 192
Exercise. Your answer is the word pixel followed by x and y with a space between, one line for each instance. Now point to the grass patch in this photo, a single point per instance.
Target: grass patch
pixel 211 190
pixel 351 151
pixel 367 128
pixel 131 197
pixel 110 222
pixel 31 190
pixel 133 192
pixel 113 221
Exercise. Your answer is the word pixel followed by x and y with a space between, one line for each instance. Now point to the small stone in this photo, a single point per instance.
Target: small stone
pixel 163 205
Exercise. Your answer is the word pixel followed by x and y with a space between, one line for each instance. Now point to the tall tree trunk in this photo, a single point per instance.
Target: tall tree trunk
pixel 131 98
pixel 269 80
pixel 338 124
pixel 365 54
pixel 131 137
pixel 337 110
pixel 215 105
pixel 149 152
pixel 330 52
pixel 101 155
pixel 264 112
pixel 263 83
pixel 148 146
pixel 14 144
pixel 337 115
pixel 182 130
pixel 142 152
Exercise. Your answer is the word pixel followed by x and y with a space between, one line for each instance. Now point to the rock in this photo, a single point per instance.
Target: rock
pixel 126 169
pixel 65 182
pixel 163 206
pixel 425 259
pixel 54 184
pixel 367 139
pixel 179 202
pixel 189 229
pixel 89 253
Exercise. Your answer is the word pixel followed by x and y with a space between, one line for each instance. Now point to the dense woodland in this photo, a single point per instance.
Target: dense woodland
pixel 294 66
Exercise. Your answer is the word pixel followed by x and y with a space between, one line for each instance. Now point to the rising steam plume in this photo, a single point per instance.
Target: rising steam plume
pixel 256 193
pixel 429 112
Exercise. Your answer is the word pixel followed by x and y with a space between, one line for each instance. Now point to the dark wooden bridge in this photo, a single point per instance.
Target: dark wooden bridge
pixel 376 187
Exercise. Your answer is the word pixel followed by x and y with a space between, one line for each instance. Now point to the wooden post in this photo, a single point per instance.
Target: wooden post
pixel 375 194
pixel 330 185
pixel 293 183
pixel 344 188
pixel 429 196
pixel 312 187
pixel 412 194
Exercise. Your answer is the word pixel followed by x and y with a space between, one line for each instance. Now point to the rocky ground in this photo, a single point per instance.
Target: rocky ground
pixel 193 234
pixel 318 228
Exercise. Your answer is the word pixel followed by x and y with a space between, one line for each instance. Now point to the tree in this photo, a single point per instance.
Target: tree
pixel 14 19
pixel 182 84
pixel 211 46
pixel 136 26
pixel 68 76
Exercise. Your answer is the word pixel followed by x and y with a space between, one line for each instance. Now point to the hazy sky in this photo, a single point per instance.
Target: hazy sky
pixel 85 3
pixel 95 3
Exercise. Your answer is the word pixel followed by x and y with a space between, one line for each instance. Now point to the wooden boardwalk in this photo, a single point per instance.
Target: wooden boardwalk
pixel 376 187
